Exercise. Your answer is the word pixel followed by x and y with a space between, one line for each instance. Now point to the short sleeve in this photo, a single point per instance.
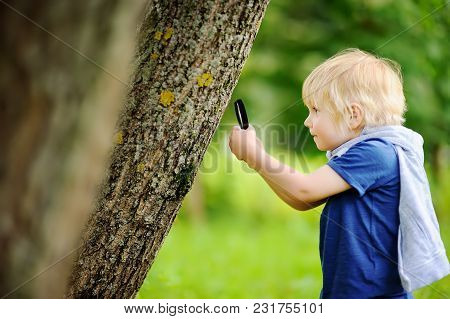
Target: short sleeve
pixel 367 165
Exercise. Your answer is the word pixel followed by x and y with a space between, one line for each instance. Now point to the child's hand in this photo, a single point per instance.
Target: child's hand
pixel 246 146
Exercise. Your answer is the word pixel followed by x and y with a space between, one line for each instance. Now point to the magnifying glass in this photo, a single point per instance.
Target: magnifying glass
pixel 241 114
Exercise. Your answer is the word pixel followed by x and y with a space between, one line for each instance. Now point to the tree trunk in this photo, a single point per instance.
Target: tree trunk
pixel 57 114
pixel 189 57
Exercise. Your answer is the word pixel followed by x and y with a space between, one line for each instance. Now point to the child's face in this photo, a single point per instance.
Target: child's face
pixel 325 131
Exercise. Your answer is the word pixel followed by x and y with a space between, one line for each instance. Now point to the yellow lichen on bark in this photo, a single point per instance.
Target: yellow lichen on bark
pixel 168 33
pixel 118 138
pixel 140 168
pixel 166 98
pixel 158 35
pixel 154 56
pixel 204 80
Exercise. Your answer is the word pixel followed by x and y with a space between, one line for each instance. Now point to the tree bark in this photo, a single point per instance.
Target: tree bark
pixel 57 114
pixel 189 57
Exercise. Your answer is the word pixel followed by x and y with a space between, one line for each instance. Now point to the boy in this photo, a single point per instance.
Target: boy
pixel 379 236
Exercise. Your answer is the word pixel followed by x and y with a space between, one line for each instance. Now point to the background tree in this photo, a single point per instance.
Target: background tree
pixel 64 72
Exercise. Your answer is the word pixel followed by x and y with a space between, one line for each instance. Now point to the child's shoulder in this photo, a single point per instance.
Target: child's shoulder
pixel 368 164
pixel 376 147
pixel 377 151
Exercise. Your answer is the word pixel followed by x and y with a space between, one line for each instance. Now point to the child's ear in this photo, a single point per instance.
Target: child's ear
pixel 356 115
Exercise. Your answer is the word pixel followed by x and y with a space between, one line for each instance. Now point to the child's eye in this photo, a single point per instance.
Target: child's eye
pixel 315 109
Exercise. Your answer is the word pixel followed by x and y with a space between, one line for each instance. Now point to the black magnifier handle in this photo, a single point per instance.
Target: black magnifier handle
pixel 241 114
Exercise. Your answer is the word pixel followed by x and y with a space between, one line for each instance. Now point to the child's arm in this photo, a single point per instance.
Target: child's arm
pixel 290 200
pixel 300 191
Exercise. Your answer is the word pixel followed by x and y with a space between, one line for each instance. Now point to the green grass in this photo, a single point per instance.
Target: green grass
pixel 227 259
pixel 238 259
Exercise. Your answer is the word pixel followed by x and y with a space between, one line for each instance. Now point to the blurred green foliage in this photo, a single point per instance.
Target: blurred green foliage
pixel 251 244
pixel 296 36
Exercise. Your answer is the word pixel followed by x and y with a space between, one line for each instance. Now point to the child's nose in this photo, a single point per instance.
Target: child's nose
pixel 307 122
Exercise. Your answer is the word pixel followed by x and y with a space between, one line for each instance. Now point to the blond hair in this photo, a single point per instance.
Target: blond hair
pixel 355 76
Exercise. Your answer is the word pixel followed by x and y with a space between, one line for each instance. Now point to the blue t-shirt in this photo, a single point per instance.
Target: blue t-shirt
pixel 359 227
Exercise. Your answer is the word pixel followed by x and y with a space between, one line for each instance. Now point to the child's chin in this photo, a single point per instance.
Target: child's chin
pixel 323 148
pixel 320 148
